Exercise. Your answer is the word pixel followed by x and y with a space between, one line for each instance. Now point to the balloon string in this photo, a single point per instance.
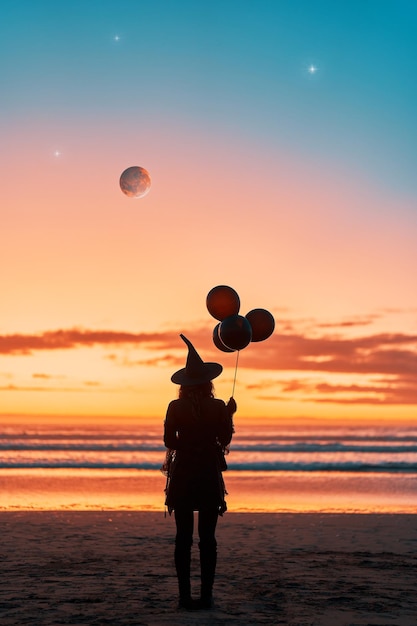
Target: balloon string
pixel 234 380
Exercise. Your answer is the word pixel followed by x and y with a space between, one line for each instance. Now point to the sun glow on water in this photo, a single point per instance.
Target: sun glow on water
pixel 271 468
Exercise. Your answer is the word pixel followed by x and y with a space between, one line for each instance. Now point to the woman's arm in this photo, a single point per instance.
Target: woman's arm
pixel 226 429
pixel 170 429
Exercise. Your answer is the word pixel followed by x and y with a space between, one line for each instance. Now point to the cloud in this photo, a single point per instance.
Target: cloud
pixel 375 354
pixel 311 353
pixel 35 388
pixel 43 376
pixel 163 360
pixel 394 353
pixel 396 392
pixel 75 338
pixel 393 390
pixel 381 366
pixel 365 320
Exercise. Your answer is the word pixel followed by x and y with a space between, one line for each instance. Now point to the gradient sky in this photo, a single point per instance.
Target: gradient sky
pixel 281 138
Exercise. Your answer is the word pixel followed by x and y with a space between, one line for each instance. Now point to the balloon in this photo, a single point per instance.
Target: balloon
pixel 135 182
pixel 222 301
pixel 235 332
pixel 262 323
pixel 218 342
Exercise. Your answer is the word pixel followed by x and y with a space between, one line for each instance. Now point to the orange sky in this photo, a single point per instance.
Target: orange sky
pixel 293 192
pixel 99 286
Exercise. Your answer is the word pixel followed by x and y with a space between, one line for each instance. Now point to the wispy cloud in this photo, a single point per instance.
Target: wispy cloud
pixel 43 376
pixel 30 388
pixel 382 366
pixel 364 320
pixel 75 338
pixel 163 360
pixel 395 390
pixel 386 353
pixel 374 354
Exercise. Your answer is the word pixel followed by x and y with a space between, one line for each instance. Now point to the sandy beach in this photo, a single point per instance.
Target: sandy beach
pixel 116 567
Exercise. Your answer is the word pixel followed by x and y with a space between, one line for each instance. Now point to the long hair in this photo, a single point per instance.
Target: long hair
pixel 195 393
pixel 204 390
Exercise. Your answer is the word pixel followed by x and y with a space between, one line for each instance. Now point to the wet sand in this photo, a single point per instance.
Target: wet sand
pixel 116 567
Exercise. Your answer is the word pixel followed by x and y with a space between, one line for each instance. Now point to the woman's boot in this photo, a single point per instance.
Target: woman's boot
pixel 208 560
pixel 182 565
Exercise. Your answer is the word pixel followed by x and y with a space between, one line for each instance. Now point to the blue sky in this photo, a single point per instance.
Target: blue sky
pixel 237 66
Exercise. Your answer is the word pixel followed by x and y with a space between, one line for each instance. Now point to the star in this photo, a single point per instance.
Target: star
pixel 57 153
pixel 116 38
pixel 312 69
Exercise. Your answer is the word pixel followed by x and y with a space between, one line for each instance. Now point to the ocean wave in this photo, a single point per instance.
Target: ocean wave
pixel 306 447
pixel 259 466
pixel 82 447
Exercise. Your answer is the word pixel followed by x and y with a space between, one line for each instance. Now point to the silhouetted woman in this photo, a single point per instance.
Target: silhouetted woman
pixel 198 428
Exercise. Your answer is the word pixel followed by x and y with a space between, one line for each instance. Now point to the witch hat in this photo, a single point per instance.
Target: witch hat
pixel 195 371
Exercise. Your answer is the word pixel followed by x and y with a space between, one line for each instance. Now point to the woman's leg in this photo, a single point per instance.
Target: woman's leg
pixel 184 519
pixel 207 521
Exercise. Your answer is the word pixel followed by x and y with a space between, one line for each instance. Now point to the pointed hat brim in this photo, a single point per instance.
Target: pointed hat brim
pixel 196 372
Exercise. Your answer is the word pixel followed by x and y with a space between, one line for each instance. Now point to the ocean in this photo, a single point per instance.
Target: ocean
pixel 271 467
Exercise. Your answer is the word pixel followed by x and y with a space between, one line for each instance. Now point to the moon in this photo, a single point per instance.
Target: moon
pixel 135 182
